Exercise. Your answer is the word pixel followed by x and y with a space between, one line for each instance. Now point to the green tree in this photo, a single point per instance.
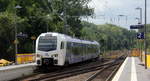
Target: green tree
pixel 34 17
pixel 110 37
pixel 7 24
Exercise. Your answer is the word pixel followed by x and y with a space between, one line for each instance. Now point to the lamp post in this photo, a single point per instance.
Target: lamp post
pixel 139 8
pixel 126 17
pixel 16 39
pixel 140 22
pixel 139 44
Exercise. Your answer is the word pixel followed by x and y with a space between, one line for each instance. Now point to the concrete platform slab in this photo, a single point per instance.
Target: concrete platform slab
pixel 8 73
pixel 132 70
pixel 16 66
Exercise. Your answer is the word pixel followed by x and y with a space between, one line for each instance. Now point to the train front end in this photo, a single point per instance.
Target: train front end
pixel 47 52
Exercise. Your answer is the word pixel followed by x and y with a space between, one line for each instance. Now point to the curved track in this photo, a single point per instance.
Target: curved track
pixel 81 68
pixel 67 72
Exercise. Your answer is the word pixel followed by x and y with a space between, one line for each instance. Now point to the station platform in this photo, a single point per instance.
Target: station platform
pixel 132 69
pixel 8 73
pixel 16 66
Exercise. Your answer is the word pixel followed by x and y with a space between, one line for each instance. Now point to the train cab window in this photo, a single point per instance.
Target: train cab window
pixel 62 45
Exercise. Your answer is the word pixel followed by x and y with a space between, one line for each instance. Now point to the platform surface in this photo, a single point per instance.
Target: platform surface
pixel 16 66
pixel 132 70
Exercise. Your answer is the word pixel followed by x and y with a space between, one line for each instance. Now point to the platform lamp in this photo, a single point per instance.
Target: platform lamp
pixel 33 45
pixel 139 8
pixel 140 22
pixel 140 44
pixel 16 39
pixel 121 16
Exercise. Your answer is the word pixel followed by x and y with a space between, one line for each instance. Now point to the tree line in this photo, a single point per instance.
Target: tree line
pixel 35 17
pixel 110 37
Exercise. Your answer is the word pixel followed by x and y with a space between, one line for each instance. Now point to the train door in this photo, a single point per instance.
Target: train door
pixel 62 51
pixel 68 52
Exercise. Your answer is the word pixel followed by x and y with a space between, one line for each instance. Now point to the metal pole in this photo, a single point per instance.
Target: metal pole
pixel 65 18
pixel 47 26
pixel 141 15
pixel 126 19
pixel 33 46
pixel 140 41
pixel 119 20
pixel 16 40
pixel 145 32
pixel 141 49
pixel 140 22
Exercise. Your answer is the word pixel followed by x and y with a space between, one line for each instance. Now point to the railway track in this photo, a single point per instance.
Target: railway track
pixel 103 75
pixel 68 70
pixel 75 71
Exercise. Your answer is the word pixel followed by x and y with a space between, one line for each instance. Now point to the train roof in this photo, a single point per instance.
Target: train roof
pixel 69 38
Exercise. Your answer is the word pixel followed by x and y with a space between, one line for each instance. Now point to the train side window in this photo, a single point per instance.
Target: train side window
pixel 62 45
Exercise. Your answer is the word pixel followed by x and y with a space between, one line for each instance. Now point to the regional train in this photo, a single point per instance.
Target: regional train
pixel 59 49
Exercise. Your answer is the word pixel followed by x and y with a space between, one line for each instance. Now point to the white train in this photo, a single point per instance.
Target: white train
pixel 59 49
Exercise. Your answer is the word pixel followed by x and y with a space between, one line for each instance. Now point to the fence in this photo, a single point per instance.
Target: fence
pixel 25 58
pixel 135 52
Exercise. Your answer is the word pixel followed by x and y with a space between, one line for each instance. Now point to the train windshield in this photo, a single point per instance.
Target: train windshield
pixel 47 43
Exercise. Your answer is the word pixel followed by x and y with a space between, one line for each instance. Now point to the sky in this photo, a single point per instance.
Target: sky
pixel 107 11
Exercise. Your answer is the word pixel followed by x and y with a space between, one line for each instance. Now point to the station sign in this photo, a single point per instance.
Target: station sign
pixel 140 35
pixel 140 26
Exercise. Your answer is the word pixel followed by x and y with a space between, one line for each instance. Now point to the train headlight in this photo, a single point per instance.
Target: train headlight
pixel 55 55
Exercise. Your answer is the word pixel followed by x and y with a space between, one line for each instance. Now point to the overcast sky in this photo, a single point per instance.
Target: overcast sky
pixel 107 11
